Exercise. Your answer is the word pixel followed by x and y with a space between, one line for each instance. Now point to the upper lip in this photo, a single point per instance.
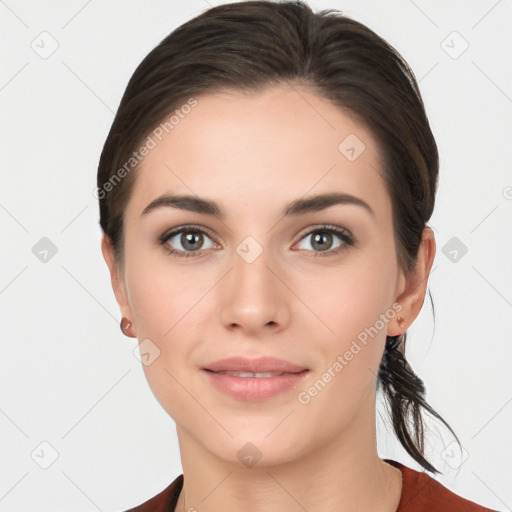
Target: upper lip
pixel 261 364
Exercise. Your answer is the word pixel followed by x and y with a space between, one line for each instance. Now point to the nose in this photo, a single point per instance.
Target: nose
pixel 254 299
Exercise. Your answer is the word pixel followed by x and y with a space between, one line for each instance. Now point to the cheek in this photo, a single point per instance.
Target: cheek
pixel 354 301
pixel 165 296
pixel 353 297
pixel 168 303
pixel 164 313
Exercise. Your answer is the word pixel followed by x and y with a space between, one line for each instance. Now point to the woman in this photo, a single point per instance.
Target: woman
pixel 264 193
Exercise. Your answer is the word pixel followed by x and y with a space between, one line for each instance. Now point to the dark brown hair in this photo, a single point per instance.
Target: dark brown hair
pixel 253 45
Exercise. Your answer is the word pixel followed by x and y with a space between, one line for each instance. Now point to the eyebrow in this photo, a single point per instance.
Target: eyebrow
pixel 295 208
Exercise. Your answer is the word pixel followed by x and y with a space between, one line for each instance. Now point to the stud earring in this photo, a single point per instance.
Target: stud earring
pixel 400 321
pixel 126 327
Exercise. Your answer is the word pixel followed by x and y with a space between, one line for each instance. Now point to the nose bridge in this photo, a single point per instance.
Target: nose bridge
pixel 251 278
pixel 252 295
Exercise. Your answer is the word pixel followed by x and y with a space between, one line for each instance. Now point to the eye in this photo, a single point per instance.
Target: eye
pixel 190 238
pixel 323 240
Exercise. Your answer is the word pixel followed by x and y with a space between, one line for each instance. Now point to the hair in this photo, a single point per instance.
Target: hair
pixel 255 45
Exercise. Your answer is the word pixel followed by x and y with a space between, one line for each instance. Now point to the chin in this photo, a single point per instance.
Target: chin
pixel 255 447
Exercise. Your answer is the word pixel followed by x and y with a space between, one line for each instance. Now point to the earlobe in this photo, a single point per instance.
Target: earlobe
pixel 398 325
pixel 414 288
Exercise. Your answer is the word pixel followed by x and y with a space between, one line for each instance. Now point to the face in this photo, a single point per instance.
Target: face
pixel 274 274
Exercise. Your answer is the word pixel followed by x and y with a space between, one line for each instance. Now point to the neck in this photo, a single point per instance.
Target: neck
pixel 344 474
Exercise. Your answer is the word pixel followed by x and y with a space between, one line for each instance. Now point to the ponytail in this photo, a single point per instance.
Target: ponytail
pixel 405 394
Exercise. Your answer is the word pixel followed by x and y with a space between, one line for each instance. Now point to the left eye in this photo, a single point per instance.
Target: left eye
pixel 324 239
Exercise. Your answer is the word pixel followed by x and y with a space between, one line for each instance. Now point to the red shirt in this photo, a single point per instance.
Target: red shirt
pixel 420 493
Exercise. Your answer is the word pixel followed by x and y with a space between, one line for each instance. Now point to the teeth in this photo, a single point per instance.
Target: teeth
pixel 251 374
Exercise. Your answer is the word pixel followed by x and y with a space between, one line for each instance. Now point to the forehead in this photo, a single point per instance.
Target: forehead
pixel 261 148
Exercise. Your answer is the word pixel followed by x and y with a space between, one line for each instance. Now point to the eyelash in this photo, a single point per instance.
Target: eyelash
pixel 347 238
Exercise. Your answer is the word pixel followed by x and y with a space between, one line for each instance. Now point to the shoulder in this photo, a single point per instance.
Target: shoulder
pixel 164 501
pixel 422 493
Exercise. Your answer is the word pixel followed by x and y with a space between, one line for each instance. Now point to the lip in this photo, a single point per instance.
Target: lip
pixel 254 389
pixel 261 364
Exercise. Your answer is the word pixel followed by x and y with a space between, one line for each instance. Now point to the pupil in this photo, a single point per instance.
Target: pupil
pixel 187 240
pixel 319 239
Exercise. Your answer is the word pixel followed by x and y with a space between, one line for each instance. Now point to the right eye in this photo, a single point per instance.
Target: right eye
pixel 191 240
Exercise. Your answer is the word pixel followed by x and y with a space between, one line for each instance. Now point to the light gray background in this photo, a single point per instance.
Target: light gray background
pixel 69 378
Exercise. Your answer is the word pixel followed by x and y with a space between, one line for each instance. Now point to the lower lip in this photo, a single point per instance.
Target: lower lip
pixel 254 389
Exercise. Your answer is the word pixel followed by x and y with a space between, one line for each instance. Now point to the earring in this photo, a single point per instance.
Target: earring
pixel 400 321
pixel 126 327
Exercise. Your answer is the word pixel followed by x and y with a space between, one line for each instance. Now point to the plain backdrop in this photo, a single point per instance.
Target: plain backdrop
pixel 80 427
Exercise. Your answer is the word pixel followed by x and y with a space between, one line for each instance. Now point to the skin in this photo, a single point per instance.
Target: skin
pixel 254 154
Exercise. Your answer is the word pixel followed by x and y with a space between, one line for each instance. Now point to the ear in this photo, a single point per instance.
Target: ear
pixel 116 277
pixel 411 289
